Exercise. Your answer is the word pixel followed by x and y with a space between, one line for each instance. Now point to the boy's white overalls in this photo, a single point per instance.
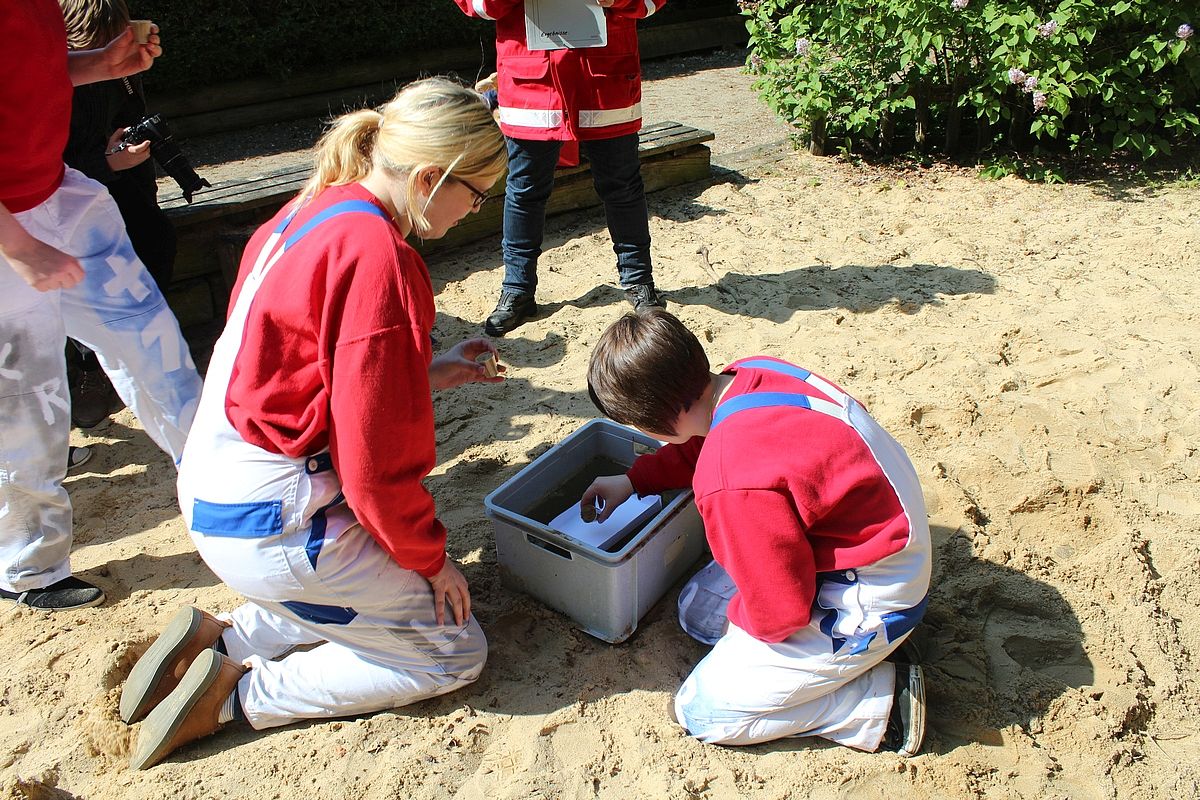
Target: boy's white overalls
pixel 278 530
pixel 827 679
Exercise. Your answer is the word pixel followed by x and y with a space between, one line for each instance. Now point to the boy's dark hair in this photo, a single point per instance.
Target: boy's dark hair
pixel 646 369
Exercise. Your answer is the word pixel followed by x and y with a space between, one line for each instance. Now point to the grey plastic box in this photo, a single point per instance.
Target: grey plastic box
pixel 605 593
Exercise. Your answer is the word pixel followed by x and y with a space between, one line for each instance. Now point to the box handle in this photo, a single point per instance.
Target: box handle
pixel 561 552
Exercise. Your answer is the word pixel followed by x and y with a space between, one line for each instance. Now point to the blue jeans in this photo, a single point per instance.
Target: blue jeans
pixel 617 175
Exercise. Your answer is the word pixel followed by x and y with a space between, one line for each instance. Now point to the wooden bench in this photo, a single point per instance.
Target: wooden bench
pixel 214 228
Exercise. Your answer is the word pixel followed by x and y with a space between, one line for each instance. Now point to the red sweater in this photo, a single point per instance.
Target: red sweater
pixel 35 101
pixel 785 493
pixel 567 95
pixel 336 354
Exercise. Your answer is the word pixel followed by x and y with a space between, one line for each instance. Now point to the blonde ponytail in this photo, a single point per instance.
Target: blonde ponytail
pixel 430 123
pixel 343 154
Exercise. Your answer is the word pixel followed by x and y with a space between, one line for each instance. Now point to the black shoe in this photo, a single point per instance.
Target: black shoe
pixel 644 296
pixel 66 595
pixel 92 398
pixel 906 723
pixel 512 310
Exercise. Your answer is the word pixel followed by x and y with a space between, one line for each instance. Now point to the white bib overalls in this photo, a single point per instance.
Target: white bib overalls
pixel 826 679
pixel 278 531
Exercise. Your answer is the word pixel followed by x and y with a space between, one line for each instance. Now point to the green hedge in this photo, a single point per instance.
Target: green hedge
pixel 1083 76
pixel 225 40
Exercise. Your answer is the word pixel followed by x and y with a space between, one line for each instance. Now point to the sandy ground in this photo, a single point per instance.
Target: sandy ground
pixel 1032 347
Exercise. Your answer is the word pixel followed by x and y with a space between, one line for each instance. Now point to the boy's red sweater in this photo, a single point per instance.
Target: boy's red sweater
pixel 784 494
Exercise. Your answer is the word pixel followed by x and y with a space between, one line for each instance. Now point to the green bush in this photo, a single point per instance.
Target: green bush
pixel 225 40
pixel 1076 75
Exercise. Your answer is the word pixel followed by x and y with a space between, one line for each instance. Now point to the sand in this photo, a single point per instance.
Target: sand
pixel 1031 346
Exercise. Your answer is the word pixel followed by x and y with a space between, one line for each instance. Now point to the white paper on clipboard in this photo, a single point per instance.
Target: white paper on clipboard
pixel 564 24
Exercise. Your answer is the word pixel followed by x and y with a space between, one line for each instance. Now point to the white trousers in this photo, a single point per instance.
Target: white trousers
pixel 368 664
pixel 375 642
pixel 117 311
pixel 814 683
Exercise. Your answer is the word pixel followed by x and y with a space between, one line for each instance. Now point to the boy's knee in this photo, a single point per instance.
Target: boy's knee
pixel 702 720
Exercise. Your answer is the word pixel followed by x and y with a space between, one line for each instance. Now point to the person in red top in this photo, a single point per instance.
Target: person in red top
pixel 551 102
pixel 301 482
pixel 67 267
pixel 818 532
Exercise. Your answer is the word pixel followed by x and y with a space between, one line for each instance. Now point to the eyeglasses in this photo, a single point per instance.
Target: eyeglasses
pixel 480 197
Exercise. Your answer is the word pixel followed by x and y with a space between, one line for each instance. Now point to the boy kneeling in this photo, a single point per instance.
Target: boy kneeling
pixel 817 525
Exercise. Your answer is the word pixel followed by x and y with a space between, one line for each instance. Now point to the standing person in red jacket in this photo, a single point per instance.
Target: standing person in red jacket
pixel 301 482
pixel 818 530
pixel 550 102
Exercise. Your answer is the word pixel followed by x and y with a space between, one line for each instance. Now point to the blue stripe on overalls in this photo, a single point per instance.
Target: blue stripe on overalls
pixel 895 623
pixel 265 518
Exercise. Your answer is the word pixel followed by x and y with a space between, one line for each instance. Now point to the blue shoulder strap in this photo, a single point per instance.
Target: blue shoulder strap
pixel 345 207
pixel 744 402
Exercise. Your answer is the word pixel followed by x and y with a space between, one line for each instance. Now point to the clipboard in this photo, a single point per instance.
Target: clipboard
pixel 564 24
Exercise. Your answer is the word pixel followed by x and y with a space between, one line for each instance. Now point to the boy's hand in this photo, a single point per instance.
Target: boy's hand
pixel 613 490
pixel 121 156
pixel 458 366
pixel 449 585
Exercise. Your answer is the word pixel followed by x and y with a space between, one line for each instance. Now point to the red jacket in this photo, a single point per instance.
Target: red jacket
pixel 567 95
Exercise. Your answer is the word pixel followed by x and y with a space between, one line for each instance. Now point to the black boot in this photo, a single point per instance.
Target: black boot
pixel 92 398
pixel 644 296
pixel 512 310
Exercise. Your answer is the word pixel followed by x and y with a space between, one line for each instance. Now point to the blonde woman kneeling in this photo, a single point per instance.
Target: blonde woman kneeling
pixel 301 481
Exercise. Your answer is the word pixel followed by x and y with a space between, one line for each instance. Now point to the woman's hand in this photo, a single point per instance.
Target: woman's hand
pixel 613 490
pixel 457 365
pixel 449 585
pixel 121 156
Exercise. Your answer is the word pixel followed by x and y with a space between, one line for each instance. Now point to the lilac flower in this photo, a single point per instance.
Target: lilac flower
pixel 1030 84
pixel 1016 76
pixel 756 61
pixel 959 5
pixel 1039 101
pixel 1047 29
pixel 802 47
pixel 1185 31
pixel 749 6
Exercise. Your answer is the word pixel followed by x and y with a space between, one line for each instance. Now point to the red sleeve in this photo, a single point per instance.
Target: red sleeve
pixel 773 569
pixel 488 9
pixel 381 436
pixel 669 467
pixel 636 9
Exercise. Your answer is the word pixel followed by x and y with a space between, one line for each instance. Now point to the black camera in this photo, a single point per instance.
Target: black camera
pixel 155 130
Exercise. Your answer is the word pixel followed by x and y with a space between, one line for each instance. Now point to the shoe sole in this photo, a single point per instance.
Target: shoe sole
pixel 71 463
pixel 915 735
pixel 149 670
pixel 154 739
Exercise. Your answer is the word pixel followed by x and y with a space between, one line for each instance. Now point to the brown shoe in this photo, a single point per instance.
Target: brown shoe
pixel 190 712
pixel 161 667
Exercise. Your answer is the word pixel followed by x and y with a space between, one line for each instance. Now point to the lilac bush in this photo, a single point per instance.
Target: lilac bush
pixel 1088 76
